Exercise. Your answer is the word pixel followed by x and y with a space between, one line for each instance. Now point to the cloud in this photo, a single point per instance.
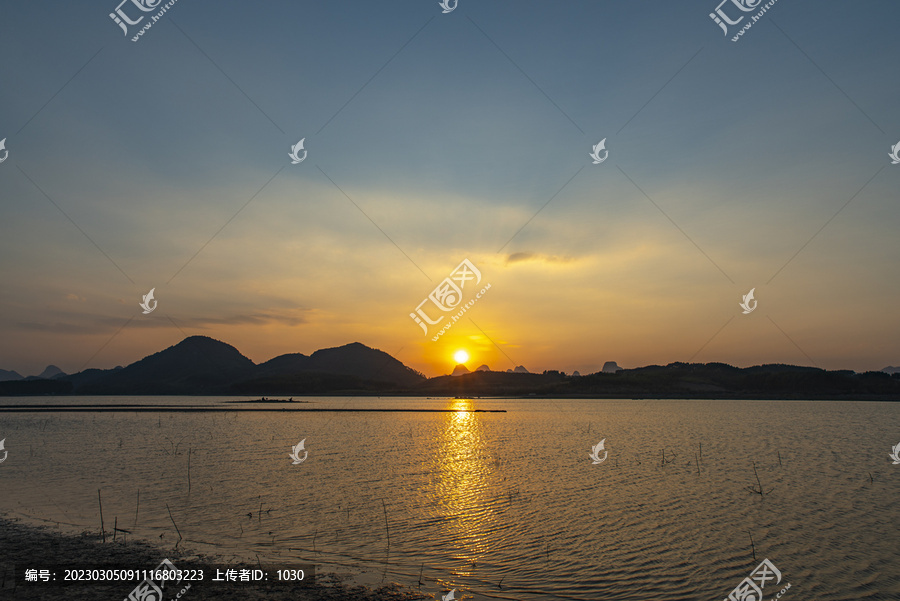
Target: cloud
pixel 239 320
pixel 58 327
pixel 97 324
pixel 522 257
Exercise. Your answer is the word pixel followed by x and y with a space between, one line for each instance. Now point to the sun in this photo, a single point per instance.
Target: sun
pixel 460 357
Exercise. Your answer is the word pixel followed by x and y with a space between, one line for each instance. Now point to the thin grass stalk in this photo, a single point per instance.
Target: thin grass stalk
pixel 102 529
pixel 386 527
pixel 174 524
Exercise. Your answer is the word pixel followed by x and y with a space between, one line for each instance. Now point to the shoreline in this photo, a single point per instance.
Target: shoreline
pixel 38 547
pixel 198 409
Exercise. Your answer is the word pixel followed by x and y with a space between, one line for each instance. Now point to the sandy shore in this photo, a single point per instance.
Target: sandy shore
pixel 37 547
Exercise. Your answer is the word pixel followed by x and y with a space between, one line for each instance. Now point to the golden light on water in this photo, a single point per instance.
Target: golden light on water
pixel 464 475
pixel 463 409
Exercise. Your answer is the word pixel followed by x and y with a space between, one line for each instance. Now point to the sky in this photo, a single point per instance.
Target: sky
pixel 435 137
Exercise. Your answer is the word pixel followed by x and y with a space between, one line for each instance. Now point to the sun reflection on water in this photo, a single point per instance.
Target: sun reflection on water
pixel 462 483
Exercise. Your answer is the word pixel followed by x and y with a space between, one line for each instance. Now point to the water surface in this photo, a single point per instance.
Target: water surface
pixel 497 505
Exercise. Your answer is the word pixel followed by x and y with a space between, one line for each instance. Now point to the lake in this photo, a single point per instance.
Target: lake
pixel 497 505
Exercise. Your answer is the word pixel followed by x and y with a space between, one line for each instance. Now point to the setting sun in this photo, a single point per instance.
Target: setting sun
pixel 461 356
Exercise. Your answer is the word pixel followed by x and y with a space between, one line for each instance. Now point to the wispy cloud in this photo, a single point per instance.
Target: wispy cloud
pixel 523 257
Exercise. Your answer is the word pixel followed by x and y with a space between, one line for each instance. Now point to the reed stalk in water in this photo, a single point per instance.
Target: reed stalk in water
pixel 174 524
pixel 759 490
pixel 102 529
pixel 386 527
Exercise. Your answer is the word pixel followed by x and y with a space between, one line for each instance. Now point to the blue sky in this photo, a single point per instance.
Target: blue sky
pixel 450 132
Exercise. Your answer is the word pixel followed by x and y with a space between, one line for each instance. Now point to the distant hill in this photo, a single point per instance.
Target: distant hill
pixel 611 367
pixel 7 376
pixel 201 365
pixel 360 361
pixel 283 365
pixel 354 360
pixel 51 372
pixel 459 370
pixel 677 380
pixel 82 378
pixel 490 383
pixel 719 380
pixel 196 365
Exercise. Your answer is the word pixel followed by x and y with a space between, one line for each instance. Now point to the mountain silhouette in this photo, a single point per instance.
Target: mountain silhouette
pixel 51 372
pixel 8 376
pixel 358 360
pixel 202 365
pixel 611 367
pixel 353 366
pixel 199 365
pixel 283 365
pixel 196 365
pixel 459 370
